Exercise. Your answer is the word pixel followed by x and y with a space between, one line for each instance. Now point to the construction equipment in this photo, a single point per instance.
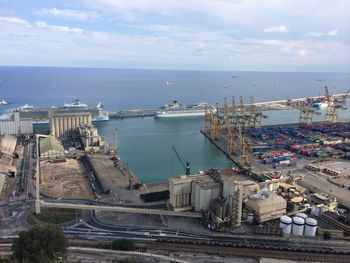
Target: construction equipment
pixel 182 161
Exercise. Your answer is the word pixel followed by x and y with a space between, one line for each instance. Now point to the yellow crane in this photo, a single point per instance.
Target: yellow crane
pixel 332 114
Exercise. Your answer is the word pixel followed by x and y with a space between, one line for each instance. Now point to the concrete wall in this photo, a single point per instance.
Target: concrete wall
pixel 16 126
pixel 180 191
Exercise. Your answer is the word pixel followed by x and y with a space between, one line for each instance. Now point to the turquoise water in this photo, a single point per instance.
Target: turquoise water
pixel 146 146
pixel 146 143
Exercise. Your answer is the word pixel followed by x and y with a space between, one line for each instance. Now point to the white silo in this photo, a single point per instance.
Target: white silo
pixel 310 227
pixel 298 226
pixel 286 224
pixel 302 215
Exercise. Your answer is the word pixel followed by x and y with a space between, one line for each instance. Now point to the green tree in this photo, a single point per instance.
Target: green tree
pixel 123 244
pixel 41 244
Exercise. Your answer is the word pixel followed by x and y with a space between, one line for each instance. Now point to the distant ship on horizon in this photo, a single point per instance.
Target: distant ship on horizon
pixel 3 102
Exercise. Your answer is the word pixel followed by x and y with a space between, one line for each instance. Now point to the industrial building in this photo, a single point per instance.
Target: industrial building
pixel 267 206
pixel 8 145
pixel 15 125
pixel 90 138
pixel 50 147
pixel 223 195
pixel 64 125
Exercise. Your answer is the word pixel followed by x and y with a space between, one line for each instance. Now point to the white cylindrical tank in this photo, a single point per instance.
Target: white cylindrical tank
pixel 286 224
pixel 310 227
pixel 250 217
pixel 302 215
pixel 298 226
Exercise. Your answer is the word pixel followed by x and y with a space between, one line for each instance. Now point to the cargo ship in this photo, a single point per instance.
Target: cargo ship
pixel 41 115
pixel 179 110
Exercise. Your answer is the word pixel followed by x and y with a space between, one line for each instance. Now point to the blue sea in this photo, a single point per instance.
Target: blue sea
pixel 146 144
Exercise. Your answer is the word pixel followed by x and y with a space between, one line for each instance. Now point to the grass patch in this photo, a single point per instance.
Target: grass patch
pixel 58 215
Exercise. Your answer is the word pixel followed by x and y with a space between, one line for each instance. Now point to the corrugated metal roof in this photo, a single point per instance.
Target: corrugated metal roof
pixel 50 144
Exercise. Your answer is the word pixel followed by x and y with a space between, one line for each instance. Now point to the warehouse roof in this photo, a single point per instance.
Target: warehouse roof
pixel 50 144
pixel 8 144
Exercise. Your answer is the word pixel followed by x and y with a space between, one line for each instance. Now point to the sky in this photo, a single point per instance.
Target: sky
pixel 247 35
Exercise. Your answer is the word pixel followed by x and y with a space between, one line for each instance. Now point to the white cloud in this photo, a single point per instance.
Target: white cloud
pixel 68 13
pixel 277 29
pixel 14 20
pixel 303 53
pixel 42 24
pixel 321 34
pixel 332 33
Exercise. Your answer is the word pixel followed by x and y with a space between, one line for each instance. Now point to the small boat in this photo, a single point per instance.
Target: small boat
pixel 235 77
pixel 320 105
pixel 225 87
pixel 167 82
pixel 3 102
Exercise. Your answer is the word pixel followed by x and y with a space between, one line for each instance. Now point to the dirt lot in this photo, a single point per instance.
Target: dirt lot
pixel 65 180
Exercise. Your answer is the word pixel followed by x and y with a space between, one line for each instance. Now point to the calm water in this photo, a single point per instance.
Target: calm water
pixel 123 89
pixel 146 144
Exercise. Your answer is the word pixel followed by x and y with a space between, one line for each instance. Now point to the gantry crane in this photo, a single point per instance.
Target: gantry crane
pixel 332 114
pixel 256 116
pixel 306 115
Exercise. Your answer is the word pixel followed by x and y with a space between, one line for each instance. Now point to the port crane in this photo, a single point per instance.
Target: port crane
pixel 182 161
pixel 116 158
pixel 332 114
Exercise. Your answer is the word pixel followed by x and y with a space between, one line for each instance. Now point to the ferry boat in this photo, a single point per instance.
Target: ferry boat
pixel 3 102
pixel 179 110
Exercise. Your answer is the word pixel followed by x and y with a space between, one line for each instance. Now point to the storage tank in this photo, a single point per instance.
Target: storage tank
pixel 302 215
pixel 310 227
pixel 286 224
pixel 298 226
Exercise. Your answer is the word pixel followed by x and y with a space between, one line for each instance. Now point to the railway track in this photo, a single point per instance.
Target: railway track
pixel 252 252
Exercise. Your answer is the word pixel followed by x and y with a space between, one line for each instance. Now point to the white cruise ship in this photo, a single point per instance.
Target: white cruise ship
pixel 179 110
pixel 3 102
pixel 75 104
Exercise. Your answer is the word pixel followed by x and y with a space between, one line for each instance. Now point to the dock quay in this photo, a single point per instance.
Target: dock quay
pixel 136 113
pixel 263 106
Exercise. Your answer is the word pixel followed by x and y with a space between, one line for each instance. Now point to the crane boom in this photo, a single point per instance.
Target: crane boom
pixel 182 161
